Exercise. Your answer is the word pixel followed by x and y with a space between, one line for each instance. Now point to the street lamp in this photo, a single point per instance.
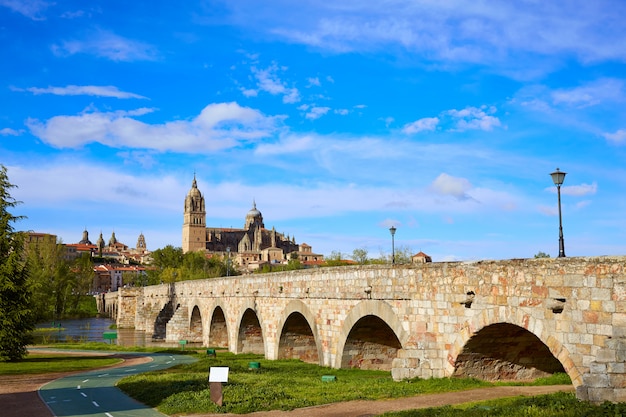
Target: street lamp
pixel 557 178
pixel 392 230
pixel 228 261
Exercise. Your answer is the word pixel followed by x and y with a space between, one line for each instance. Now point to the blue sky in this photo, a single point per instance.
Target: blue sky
pixel 340 119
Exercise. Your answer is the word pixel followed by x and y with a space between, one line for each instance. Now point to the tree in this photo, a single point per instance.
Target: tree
pixel 16 316
pixel 542 255
pixel 360 255
pixel 169 256
pixel 52 281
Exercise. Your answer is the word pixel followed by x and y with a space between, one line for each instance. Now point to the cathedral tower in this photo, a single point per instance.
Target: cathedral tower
pixel 194 223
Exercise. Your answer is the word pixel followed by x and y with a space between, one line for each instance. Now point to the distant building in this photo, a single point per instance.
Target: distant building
pixel 420 258
pixel 250 247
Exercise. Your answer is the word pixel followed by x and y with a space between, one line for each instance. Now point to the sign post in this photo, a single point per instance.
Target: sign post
pixel 217 375
pixel 110 336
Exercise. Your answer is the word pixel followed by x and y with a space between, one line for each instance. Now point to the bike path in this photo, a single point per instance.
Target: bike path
pixel 94 394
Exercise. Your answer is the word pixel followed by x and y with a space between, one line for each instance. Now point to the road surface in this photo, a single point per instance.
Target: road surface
pixel 93 393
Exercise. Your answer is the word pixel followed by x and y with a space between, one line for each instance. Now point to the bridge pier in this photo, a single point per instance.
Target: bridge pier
pixel 511 319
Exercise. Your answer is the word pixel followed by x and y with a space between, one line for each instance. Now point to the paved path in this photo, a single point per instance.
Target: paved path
pixel 94 393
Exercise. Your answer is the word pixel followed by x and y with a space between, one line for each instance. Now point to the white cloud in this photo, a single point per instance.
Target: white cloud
pixel 579 190
pixel 218 126
pixel 7 131
pixel 456 187
pixel 510 37
pixel 313 81
pixel 342 112
pixel 249 92
pixel 597 92
pixel 471 118
pixel 33 9
pixel 77 90
pixel 424 124
pixel 618 137
pixel 269 81
pixel 38 186
pixel 317 112
pixel 288 144
pixel 108 45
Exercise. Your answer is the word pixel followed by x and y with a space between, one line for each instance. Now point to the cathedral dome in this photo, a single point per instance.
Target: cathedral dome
pixel 194 192
pixel 254 216
pixel 254 213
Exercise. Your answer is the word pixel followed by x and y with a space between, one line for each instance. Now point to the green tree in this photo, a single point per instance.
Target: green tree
pixel 168 256
pixel 17 320
pixel 542 255
pixel 84 277
pixel 52 280
pixel 360 255
pixel 403 255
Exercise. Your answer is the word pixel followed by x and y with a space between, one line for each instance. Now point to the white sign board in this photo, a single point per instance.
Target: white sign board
pixel 218 374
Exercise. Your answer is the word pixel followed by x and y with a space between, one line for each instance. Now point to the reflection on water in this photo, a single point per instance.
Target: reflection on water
pixel 90 330
pixel 87 330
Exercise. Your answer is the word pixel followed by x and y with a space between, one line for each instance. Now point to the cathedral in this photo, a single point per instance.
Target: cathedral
pixel 250 247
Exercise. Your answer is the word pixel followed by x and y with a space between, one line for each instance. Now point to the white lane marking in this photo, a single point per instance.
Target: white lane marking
pixel 67 401
pixel 167 363
pixel 95 403
pixel 83 394
pixel 130 370
pixel 78 387
pixel 51 402
pixel 100 376
pixel 108 414
pixel 85 381
pixel 153 366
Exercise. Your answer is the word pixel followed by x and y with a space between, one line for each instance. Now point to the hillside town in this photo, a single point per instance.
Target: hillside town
pixel 114 262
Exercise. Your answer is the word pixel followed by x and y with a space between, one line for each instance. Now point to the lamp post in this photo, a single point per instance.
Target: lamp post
pixel 557 178
pixel 392 230
pixel 228 261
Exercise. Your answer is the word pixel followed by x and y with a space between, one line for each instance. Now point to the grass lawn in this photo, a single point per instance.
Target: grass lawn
pixel 280 384
pixel 562 404
pixel 36 363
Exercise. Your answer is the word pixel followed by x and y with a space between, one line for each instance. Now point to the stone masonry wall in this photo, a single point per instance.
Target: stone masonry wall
pixel 575 306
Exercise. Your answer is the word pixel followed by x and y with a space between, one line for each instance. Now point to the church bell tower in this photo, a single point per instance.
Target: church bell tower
pixel 194 223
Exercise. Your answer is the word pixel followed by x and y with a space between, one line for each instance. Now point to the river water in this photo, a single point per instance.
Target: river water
pixel 90 330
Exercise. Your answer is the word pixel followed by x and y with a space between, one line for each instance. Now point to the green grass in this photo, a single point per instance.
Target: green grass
pixel 117 348
pixel 280 384
pixel 560 404
pixel 45 363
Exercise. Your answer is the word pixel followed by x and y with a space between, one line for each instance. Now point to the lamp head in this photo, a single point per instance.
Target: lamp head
pixel 392 230
pixel 558 177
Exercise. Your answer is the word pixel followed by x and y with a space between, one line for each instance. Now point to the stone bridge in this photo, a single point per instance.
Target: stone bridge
pixel 495 320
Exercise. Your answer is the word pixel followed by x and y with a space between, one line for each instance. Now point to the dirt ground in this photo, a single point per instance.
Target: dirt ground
pixel 19 398
pixel 374 408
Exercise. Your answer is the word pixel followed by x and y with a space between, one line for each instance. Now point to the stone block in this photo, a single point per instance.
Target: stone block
pixel 596 380
pixel 617 380
pixel 619 395
pixel 600 395
pixel 597 368
pixel 582 393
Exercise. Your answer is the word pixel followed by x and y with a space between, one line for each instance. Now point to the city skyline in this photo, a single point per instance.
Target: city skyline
pixel 339 120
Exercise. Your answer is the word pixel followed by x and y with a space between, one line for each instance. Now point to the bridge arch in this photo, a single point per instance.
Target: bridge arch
pixel 250 338
pixel 298 334
pixel 218 328
pixel 195 325
pixel 388 337
pixel 518 328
